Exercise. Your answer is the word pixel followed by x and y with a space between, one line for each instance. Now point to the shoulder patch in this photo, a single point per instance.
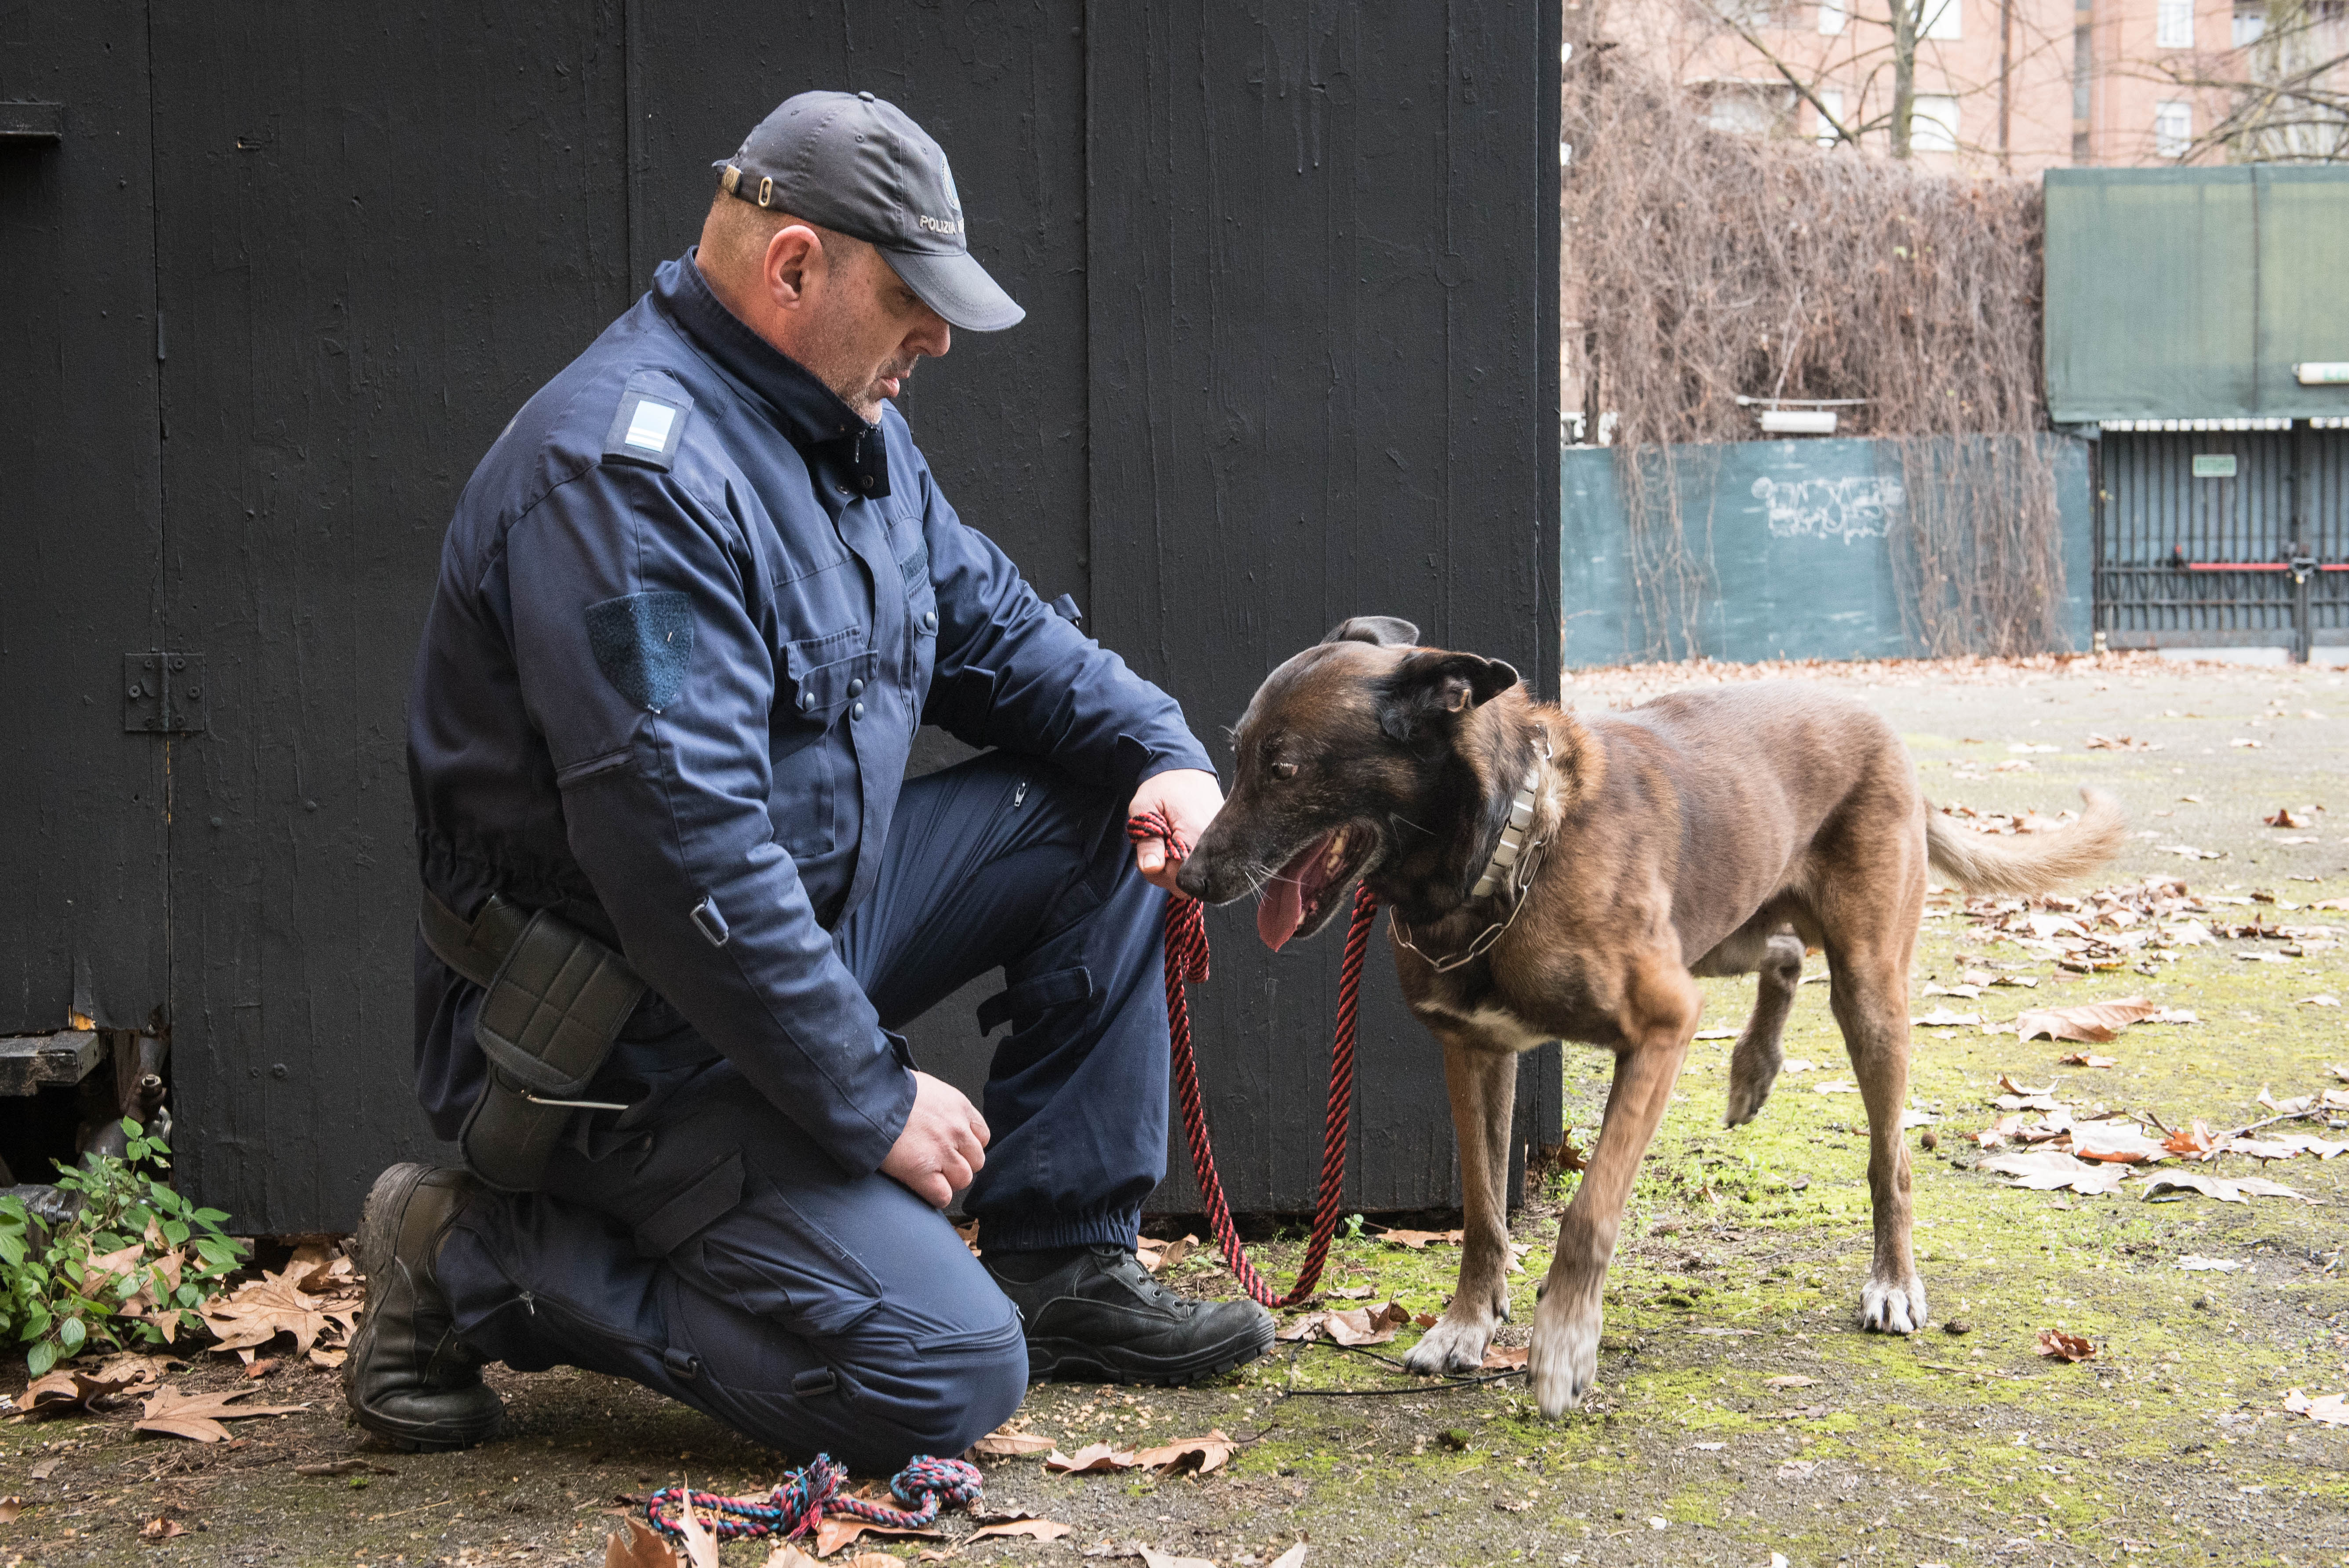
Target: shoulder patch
pixel 644 643
pixel 649 422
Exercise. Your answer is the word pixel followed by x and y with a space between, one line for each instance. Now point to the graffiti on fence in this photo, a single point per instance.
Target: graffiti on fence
pixel 1853 507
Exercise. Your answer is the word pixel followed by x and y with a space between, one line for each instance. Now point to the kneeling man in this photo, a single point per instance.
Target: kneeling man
pixel 692 608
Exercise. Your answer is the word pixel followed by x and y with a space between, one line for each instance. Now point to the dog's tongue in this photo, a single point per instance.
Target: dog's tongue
pixel 1282 910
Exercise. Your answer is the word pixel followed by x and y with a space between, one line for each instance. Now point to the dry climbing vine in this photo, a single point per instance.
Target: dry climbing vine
pixel 1703 264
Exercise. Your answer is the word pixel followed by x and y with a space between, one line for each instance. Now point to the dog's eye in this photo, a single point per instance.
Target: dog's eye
pixel 1284 770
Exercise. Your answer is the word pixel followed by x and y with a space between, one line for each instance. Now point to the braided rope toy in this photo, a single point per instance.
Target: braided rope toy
pixel 800 1500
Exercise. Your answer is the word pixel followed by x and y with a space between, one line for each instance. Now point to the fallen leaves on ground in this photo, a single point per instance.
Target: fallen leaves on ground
pixel 2332 1409
pixel 198 1417
pixel 70 1389
pixel 2093 1021
pixel 1419 1240
pixel 316 1298
pixel 162 1527
pixel 2226 1190
pixel 1026 1525
pixel 1003 1443
pixel 2050 1170
pixel 2065 1347
pixel 1209 1453
pixel 638 1547
pixel 1158 1255
pixel 1094 1457
pixel 2284 819
pixel 2086 1059
pixel 835 1530
pixel 1353 1325
pixel 2120 743
pixel 1153 1558
pixel 1505 1358
pixel 1788 1380
pixel 10 1507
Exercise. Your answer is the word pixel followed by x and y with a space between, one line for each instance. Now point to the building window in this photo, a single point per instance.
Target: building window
pixel 2251 21
pixel 2173 127
pixel 2083 59
pixel 1943 23
pixel 1933 123
pixel 1752 14
pixel 1751 108
pixel 1831 18
pixel 1831 100
pixel 2173 24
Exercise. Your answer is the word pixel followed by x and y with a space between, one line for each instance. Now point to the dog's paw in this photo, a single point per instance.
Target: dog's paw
pixel 1564 1362
pixel 1450 1347
pixel 1892 1306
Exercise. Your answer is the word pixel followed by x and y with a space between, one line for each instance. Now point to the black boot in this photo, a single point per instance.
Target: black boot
pixel 1093 1314
pixel 409 1380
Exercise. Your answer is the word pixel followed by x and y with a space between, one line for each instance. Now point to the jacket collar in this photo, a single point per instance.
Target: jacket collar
pixel 811 415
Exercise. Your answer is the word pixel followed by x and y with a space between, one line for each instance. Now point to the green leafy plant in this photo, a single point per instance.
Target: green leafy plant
pixel 1353 1227
pixel 133 1266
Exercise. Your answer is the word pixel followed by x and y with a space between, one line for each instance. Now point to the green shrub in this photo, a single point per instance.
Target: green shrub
pixel 132 1267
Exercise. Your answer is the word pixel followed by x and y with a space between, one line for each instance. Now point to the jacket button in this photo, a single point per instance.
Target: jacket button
pixel 856 688
pixel 865 481
pixel 807 699
pixel 857 711
pixel 929 619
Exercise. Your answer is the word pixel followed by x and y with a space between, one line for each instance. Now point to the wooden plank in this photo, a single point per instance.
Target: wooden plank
pixel 383 233
pixel 81 930
pixel 31 1063
pixel 1322 264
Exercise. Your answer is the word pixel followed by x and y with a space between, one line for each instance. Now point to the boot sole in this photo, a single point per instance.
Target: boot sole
pixel 378 1243
pixel 1065 1361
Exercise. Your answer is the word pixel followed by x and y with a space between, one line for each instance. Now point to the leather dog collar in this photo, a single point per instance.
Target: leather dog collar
pixel 1514 863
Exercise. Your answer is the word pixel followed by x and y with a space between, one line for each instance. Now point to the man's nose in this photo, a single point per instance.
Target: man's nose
pixel 932 337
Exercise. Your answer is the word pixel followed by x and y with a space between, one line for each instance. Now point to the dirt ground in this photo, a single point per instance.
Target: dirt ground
pixel 1740 1414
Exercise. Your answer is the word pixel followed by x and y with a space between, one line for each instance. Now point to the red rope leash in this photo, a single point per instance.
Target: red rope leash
pixel 1186 962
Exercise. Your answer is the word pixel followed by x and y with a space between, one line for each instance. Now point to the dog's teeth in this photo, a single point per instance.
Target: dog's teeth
pixel 1337 853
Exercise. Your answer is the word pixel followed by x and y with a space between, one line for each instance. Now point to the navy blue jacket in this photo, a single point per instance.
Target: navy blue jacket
pixel 691 611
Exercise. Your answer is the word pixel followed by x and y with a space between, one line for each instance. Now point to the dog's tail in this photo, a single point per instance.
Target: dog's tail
pixel 1980 863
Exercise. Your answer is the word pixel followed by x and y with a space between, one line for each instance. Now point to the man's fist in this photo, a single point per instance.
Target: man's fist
pixel 943 1146
pixel 1190 799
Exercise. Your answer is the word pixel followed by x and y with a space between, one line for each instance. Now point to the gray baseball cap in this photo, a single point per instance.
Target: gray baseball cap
pixel 859 164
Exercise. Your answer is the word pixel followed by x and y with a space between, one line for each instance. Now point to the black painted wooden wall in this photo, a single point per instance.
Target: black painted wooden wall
pixel 1291 280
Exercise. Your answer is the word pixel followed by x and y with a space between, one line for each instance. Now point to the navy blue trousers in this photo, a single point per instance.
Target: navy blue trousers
pixel 700 1245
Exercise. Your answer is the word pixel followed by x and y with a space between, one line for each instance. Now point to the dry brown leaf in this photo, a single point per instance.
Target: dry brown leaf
pixel 1503 1358
pixel 2086 1059
pixel 1305 1326
pixel 260 1369
pixel 1091 1458
pixel 66 1390
pixel 1365 1325
pixel 1426 1319
pixel 1153 1558
pixel 2332 1409
pixel 700 1546
pixel 1788 1380
pixel 258 1312
pixel 1419 1240
pixel 1032 1529
pixel 836 1531
pixel 2196 1140
pixel 2284 819
pixel 1349 1293
pixel 198 1417
pixel 1292 1558
pixel 2091 1022
pixel 1157 1256
pixel 787 1555
pixel 1210 1451
pixel 162 1528
pixel 2051 1170
pixel 1002 1445
pixel 2119 1142
pixel 638 1547
pixel 2065 1347
pixel 10 1507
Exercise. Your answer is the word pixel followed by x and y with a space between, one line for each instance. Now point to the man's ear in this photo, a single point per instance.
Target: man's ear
pixel 1428 692
pixel 1384 631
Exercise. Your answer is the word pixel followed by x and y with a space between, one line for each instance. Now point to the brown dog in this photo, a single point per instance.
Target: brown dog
pixel 1555 878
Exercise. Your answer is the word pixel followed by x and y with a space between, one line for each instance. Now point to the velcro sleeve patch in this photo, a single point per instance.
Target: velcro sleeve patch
pixel 644 645
pixel 649 422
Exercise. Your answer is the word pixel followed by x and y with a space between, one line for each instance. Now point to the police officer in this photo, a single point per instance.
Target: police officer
pixel 692 607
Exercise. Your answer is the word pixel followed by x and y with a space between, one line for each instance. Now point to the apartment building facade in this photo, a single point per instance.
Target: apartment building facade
pixel 2002 85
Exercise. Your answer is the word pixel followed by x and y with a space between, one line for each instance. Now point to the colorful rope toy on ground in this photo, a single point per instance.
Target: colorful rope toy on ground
pixel 802 1499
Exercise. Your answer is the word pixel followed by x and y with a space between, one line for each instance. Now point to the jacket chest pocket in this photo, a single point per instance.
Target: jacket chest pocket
pixel 814 788
pixel 913 556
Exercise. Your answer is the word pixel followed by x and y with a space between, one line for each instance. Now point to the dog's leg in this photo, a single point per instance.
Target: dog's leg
pixel 1483 1082
pixel 1871 1005
pixel 1754 1060
pixel 1660 1008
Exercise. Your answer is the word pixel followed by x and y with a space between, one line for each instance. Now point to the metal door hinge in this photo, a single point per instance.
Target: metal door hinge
pixel 164 694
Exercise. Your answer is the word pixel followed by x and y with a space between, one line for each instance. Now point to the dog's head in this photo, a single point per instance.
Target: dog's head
pixel 1345 751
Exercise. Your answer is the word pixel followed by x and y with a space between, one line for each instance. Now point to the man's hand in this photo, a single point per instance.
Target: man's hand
pixel 942 1145
pixel 1190 799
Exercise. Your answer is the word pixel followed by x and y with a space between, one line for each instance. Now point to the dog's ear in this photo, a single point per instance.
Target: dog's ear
pixel 1427 692
pixel 1384 631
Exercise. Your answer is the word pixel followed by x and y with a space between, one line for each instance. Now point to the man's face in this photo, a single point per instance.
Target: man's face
pixel 864 328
